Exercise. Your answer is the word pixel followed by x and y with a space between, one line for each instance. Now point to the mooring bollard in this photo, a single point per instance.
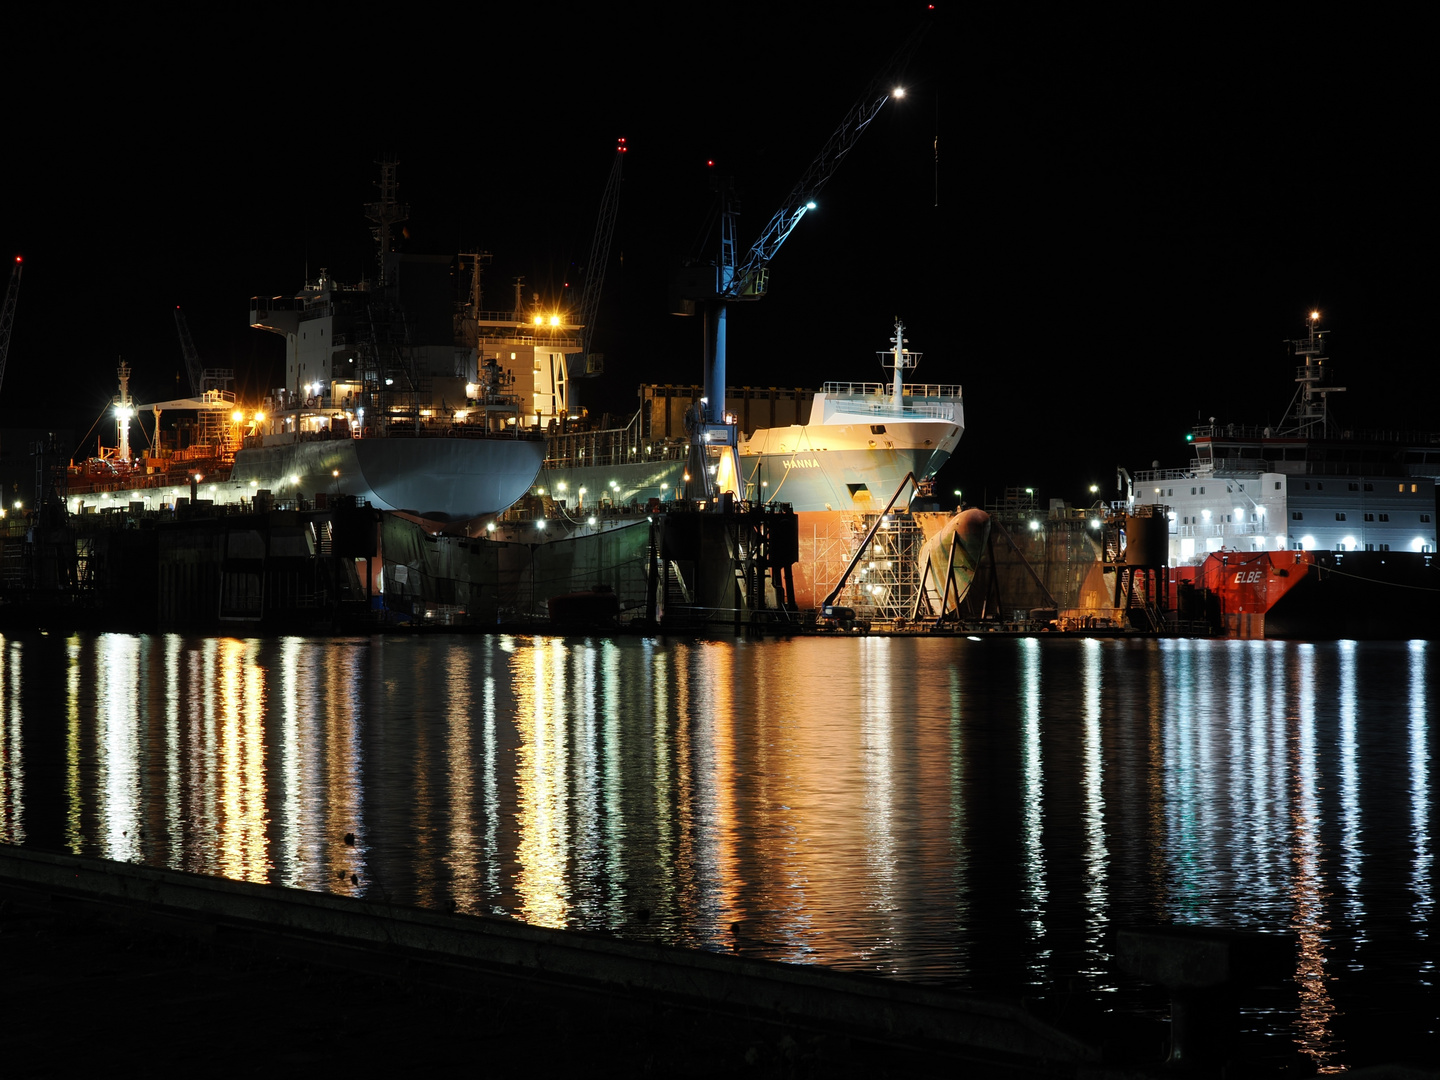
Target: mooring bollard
pixel 1204 968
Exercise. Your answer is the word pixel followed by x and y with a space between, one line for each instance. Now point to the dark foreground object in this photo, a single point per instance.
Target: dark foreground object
pixel 114 964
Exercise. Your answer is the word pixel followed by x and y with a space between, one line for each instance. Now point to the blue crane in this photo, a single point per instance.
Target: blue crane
pixel 712 287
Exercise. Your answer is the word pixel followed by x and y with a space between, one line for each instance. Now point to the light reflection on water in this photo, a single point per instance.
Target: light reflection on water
pixel 980 814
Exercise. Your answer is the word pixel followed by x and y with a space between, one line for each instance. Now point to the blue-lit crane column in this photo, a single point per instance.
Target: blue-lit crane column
pixel 714 462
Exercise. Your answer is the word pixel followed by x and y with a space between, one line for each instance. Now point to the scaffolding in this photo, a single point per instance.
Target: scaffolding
pixel 885 583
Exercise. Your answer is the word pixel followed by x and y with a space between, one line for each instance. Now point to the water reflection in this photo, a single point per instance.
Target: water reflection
pixel 1307 890
pixel 12 760
pixel 1033 801
pixel 979 814
pixel 1421 806
pixel 1097 856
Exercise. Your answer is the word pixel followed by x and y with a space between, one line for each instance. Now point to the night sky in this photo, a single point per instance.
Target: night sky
pixel 1128 215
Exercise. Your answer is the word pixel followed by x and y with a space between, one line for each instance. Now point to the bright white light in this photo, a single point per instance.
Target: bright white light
pixel 899 92
pixel 1307 543
pixel 1349 544
pixel 1417 544
pixel 540 524
pixel 1239 514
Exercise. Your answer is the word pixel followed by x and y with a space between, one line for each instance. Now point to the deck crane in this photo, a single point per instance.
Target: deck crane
pixel 202 379
pixel 192 358
pixel 711 287
pixel 591 363
pixel 7 314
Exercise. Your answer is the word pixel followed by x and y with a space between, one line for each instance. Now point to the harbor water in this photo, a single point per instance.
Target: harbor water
pixel 976 814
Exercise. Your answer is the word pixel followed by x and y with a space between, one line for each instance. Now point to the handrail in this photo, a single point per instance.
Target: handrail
pixel 871 389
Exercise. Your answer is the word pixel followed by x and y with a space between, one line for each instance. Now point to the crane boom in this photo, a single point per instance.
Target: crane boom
pixel 600 256
pixel 7 315
pixel 748 280
pixel 714 459
pixel 192 358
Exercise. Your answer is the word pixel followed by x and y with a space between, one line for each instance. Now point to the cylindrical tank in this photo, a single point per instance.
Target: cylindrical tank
pixel 1147 539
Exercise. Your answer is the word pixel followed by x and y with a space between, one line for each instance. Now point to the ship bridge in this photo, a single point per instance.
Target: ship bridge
pixel 865 402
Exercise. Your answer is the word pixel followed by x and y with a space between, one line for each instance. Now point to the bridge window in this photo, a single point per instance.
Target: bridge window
pixel 1339 517
pixel 1296 515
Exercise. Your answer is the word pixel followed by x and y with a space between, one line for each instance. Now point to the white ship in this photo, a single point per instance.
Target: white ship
pixel 1302 485
pixel 851 451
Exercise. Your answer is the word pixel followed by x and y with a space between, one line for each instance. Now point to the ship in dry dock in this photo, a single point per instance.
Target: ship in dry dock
pixel 1306 528
pixel 387 398
pixel 846 447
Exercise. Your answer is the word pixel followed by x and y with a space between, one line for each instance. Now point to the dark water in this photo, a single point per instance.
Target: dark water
pixel 977 814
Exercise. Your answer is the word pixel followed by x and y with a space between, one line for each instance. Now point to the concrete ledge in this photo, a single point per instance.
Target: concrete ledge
pixel 860 1005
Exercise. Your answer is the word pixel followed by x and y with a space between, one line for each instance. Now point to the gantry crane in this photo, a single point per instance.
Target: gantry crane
pixel 7 315
pixel 711 287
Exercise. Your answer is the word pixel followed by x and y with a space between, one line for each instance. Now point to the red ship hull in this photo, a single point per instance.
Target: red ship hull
pixel 1315 594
